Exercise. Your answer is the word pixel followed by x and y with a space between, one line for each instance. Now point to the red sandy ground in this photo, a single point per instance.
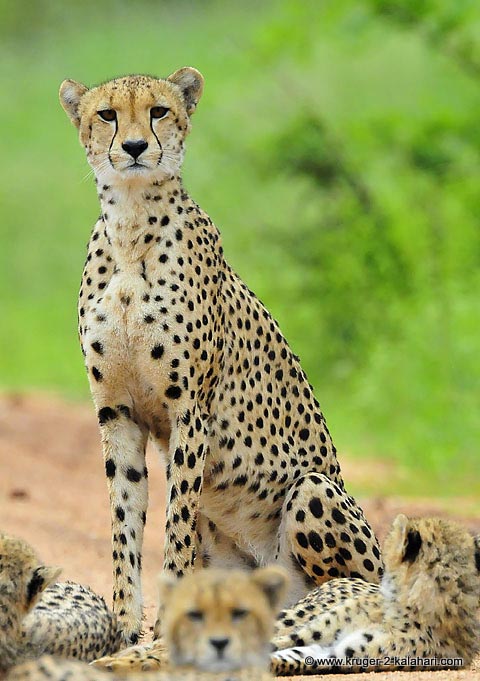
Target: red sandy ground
pixel 53 494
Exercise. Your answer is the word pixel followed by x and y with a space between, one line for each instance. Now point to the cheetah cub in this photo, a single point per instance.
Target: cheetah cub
pixel 216 624
pixel 179 349
pixel 425 607
pixel 38 615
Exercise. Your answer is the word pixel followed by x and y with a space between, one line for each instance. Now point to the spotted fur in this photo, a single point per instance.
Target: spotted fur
pixel 426 606
pixel 39 615
pixel 179 349
pixel 217 625
pixel 212 620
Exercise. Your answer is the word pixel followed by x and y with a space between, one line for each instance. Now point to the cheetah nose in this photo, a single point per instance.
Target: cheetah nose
pixel 219 644
pixel 134 147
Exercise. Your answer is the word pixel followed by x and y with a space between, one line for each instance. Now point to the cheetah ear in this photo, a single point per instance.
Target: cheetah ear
pixel 409 539
pixel 476 541
pixel 166 583
pixel 190 81
pixel 40 579
pixel 413 546
pixel 273 582
pixel 70 95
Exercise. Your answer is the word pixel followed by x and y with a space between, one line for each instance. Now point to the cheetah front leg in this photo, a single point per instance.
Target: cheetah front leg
pixel 124 443
pixel 186 462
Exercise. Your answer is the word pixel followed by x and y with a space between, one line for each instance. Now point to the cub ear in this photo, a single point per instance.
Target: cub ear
pixel 476 541
pixel 70 95
pixel 413 546
pixel 273 582
pixel 40 579
pixel 408 540
pixel 166 583
pixel 190 81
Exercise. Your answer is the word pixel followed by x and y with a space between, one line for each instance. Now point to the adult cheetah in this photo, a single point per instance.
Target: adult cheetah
pixel 178 348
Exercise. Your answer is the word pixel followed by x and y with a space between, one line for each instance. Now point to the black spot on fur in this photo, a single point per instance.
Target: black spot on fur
pixel 316 508
pixel 110 468
pixel 123 409
pixel 98 347
pixel 97 374
pixel 133 475
pixel 157 352
pixel 106 414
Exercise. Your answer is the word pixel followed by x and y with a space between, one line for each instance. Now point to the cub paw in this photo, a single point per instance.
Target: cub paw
pixel 148 657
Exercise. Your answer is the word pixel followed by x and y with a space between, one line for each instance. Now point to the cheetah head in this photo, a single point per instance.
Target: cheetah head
pixel 133 128
pixel 218 620
pixel 435 564
pixel 22 577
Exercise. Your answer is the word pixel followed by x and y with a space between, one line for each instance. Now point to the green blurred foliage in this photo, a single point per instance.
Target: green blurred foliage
pixel 337 147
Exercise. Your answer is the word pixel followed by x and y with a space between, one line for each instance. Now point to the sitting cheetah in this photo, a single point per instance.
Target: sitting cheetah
pixel 38 615
pixel 425 607
pixel 217 625
pixel 179 349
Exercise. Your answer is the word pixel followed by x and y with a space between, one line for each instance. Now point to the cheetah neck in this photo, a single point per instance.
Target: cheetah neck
pixel 447 614
pixel 136 214
pixel 10 636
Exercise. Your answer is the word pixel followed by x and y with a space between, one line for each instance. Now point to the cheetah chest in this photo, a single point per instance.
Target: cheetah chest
pixel 126 340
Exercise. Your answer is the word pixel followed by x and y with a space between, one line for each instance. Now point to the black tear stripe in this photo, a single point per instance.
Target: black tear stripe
pixel 158 141
pixel 113 139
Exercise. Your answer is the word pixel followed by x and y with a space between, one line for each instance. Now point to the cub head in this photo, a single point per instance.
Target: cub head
pixel 435 564
pixel 219 620
pixel 133 128
pixel 22 576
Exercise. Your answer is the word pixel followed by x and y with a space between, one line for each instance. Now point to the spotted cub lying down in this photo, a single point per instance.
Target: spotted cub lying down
pixel 425 607
pixel 217 625
pixel 40 615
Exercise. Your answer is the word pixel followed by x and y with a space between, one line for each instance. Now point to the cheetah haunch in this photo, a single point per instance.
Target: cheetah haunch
pixel 216 624
pixel 38 615
pixel 179 349
pixel 425 607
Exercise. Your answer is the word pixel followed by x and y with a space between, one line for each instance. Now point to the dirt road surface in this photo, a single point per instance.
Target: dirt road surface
pixel 53 494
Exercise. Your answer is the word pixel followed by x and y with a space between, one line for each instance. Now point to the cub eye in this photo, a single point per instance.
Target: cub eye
pixel 238 614
pixel 159 111
pixel 195 615
pixel 108 114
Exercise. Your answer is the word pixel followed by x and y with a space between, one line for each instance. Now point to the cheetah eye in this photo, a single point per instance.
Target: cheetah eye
pixel 195 615
pixel 238 614
pixel 108 115
pixel 159 111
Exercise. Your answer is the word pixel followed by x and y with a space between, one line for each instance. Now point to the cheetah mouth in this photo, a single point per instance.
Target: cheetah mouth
pixel 136 165
pixel 221 665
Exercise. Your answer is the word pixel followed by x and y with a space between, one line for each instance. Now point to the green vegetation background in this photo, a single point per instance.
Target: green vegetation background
pixel 337 148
